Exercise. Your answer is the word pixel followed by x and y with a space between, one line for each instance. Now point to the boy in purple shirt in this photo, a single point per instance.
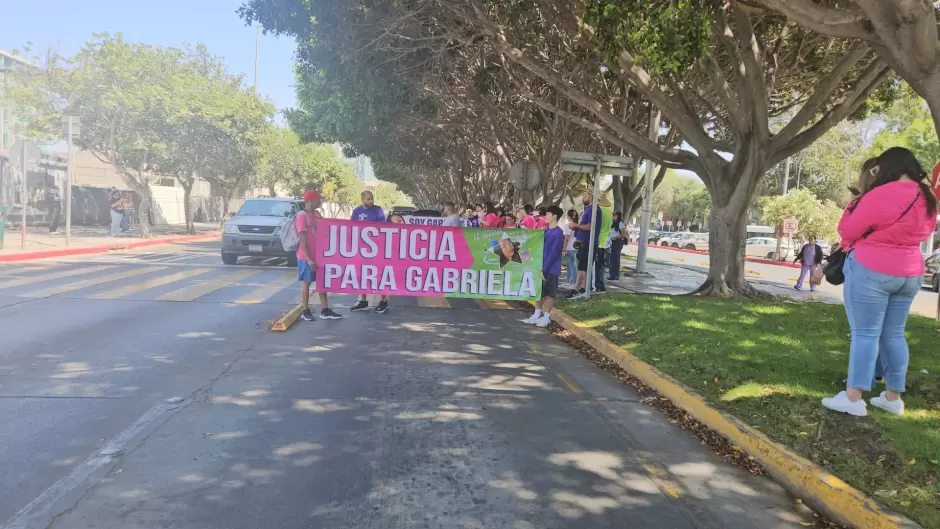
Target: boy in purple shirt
pixel 369 212
pixel 552 250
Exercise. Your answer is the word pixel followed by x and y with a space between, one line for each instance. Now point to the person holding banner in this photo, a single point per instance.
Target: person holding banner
pixel 368 212
pixel 306 224
pixel 451 218
pixel 552 250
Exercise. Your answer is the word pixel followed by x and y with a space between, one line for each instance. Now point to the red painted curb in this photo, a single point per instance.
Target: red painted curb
pixel 29 256
pixel 748 259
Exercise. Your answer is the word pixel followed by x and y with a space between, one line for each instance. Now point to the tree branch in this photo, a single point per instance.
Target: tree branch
pixel 874 75
pixel 845 23
pixel 822 94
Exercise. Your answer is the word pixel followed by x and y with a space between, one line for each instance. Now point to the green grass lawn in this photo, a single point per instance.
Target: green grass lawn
pixel 769 363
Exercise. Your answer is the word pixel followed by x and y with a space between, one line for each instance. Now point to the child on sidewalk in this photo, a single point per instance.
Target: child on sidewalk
pixel 552 250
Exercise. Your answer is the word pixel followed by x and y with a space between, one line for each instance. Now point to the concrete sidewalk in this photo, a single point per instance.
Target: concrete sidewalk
pixel 673 279
pixel 39 240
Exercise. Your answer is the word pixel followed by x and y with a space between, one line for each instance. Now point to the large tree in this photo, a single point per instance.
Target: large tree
pixel 902 32
pixel 720 102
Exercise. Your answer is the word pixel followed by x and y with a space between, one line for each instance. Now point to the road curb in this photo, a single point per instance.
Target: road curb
pixel 801 477
pixel 748 259
pixel 288 319
pixel 65 252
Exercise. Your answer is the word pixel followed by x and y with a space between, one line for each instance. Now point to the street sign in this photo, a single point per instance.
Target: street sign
pixel 790 226
pixel 524 175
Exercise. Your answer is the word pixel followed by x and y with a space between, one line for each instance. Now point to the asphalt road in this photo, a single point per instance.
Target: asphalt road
pixel 143 390
pixel 766 275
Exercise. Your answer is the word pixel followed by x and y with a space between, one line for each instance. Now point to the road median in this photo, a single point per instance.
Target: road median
pixel 104 248
pixel 760 388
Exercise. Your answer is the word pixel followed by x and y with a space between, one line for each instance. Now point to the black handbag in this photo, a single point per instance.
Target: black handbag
pixel 833 269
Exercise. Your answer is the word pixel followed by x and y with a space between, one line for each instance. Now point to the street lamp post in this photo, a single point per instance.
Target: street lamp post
pixel 72 126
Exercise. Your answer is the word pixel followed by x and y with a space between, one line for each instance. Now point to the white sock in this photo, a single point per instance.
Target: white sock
pixel 538 314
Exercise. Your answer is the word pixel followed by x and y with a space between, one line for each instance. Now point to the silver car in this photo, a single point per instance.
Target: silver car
pixel 255 230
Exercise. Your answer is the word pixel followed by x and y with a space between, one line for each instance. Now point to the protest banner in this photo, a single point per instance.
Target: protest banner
pixel 424 221
pixel 416 260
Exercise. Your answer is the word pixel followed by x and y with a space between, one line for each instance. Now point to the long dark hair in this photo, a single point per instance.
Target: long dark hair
pixel 573 214
pixel 865 179
pixel 617 218
pixel 897 162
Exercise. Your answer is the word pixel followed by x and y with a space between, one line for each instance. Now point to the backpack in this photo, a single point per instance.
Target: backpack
pixel 290 239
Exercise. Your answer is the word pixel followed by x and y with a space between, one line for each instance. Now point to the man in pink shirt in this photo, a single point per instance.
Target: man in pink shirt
pixel 306 224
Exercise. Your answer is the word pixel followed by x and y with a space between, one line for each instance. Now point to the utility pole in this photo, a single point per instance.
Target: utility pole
pixel 71 129
pixel 647 211
pixel 257 51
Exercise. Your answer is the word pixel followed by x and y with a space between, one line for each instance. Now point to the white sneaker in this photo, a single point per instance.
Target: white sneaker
pixel 895 407
pixel 841 403
pixel 531 320
pixel 543 321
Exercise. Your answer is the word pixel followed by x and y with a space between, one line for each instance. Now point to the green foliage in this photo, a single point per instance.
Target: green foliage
pixel 908 124
pixel 816 218
pixel 681 199
pixel 665 35
pixel 388 196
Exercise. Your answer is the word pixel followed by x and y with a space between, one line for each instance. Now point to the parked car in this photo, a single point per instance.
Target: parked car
pixel 255 229
pixel 680 240
pixel 698 241
pixel 932 272
pixel 766 248
pixel 673 237
pixel 825 246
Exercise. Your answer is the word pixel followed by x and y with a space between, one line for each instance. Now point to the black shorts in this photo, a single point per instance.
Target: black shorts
pixel 550 286
pixel 582 257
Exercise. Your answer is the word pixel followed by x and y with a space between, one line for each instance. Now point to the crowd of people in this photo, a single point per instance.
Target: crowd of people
pixel 567 241
pixel 881 230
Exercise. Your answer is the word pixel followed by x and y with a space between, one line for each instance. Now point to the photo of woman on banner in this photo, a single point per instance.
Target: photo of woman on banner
pixel 507 250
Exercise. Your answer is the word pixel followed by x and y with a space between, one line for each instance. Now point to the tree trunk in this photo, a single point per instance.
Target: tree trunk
pixel 188 205
pixel 143 219
pixel 730 197
pixel 929 89
pixel 617 190
pixel 226 199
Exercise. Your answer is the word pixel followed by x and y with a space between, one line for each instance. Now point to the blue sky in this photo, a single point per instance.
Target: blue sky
pixel 65 25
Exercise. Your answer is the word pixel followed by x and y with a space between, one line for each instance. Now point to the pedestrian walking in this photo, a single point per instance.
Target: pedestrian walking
pixel 618 235
pixel 571 253
pixel 810 258
pixel 306 225
pixel 54 206
pixel 552 250
pixel 882 231
pixel 368 212
pixel 117 211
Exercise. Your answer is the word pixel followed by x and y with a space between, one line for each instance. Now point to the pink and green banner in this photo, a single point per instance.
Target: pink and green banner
pixel 415 260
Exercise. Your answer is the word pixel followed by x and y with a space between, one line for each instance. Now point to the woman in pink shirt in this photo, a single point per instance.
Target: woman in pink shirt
pixel 882 231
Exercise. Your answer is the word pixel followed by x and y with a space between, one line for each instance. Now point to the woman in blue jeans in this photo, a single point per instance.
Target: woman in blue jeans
pixel 882 231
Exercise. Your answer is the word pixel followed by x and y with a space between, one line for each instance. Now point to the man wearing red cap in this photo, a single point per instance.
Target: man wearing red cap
pixel 306 223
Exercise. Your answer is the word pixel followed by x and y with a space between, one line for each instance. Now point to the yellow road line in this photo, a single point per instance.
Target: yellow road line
pixel 201 288
pixel 92 282
pixel 53 276
pixel 433 302
pixel 497 304
pixel 150 283
pixel 262 293
pixel 572 385
pixel 482 304
pixel 287 319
